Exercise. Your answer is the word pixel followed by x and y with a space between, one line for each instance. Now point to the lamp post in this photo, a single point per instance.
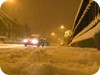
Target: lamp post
pixel 62 27
pixel 53 37
pixel 61 31
pixel 53 34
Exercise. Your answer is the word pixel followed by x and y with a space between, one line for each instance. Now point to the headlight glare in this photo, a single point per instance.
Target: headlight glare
pixel 34 41
pixel 25 40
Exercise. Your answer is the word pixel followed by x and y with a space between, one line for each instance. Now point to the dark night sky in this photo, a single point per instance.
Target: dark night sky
pixel 45 15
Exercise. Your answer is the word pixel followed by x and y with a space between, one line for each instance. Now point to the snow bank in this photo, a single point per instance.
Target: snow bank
pixel 55 60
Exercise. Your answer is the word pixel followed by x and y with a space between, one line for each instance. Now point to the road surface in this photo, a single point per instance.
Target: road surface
pixel 15 59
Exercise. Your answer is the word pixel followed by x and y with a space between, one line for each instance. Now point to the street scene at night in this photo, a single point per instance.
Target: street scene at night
pixel 49 37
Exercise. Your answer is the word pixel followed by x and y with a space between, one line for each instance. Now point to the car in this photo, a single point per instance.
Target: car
pixel 34 40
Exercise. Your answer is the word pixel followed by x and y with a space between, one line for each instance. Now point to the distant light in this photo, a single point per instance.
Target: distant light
pixel 53 33
pixel 68 33
pixel 25 40
pixel 62 27
pixel 35 41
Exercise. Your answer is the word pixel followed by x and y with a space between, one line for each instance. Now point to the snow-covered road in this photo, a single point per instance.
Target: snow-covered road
pixel 22 46
pixel 15 59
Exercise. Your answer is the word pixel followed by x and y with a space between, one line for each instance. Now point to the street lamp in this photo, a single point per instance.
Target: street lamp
pixel 53 34
pixel 62 27
pixel 61 31
pixel 54 37
pixel 68 33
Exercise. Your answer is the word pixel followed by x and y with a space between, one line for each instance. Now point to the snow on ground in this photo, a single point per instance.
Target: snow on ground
pixel 11 45
pixel 52 60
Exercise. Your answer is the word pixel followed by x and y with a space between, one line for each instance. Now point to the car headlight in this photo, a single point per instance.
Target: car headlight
pixel 25 40
pixel 34 41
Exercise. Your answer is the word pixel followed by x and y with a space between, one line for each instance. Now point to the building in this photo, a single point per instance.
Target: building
pixel 86 28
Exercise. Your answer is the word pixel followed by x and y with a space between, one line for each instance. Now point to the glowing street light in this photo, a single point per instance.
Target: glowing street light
pixel 68 33
pixel 52 33
pixel 62 27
